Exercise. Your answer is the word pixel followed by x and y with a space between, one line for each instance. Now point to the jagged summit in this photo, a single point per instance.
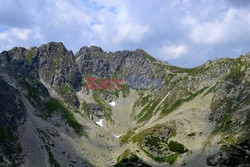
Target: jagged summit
pixel 96 50
pixel 92 50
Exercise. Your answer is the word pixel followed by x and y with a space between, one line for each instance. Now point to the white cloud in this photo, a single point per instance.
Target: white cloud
pixel 100 30
pixel 218 26
pixel 22 34
pixel 67 13
pixel 173 51
pixel 19 37
pixel 18 33
pixel 230 26
pixel 130 32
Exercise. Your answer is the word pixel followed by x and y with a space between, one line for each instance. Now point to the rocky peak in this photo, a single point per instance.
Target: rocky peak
pixel 95 49
pixel 53 46
pixel 94 61
pixel 89 51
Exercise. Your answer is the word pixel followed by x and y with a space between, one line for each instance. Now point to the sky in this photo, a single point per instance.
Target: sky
pixel 185 33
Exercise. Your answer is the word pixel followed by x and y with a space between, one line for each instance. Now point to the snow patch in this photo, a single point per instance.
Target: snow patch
pixel 100 123
pixel 117 136
pixel 80 94
pixel 112 103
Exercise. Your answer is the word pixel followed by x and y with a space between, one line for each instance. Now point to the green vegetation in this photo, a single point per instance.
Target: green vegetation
pixel 68 94
pixel 131 161
pixel 107 109
pixel 148 141
pixel 28 56
pixel 52 106
pixel 157 159
pixel 224 123
pixel 168 108
pixel 65 88
pixel 148 56
pixel 228 106
pixel 177 147
pixel 236 75
pixel 125 138
pixel 172 158
pixel 84 105
pixel 125 91
pixel 55 105
pixel 147 111
pixel 142 101
pixel 139 136
pixel 153 141
pixel 56 62
pixel 189 71
pixel 173 133
pixel 33 92
pixel 172 107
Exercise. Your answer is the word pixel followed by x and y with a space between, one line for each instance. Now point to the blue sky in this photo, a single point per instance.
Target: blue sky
pixel 185 33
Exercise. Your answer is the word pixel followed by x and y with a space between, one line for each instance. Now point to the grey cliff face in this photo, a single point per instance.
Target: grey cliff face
pixel 12 115
pixel 94 62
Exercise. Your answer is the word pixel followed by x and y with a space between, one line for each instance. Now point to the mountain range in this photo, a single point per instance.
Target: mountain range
pixel 48 116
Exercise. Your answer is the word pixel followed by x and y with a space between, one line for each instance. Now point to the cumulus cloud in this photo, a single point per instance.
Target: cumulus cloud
pixel 131 33
pixel 18 33
pixel 164 28
pixel 173 51
pixel 19 36
pixel 230 27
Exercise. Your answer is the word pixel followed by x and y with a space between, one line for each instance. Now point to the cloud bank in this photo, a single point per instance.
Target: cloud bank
pixel 183 32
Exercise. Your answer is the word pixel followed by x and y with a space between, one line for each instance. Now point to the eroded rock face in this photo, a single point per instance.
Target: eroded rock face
pixel 95 112
pixel 51 63
pixel 12 115
pixel 57 66
pixel 94 61
pixel 12 109
pixel 236 155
